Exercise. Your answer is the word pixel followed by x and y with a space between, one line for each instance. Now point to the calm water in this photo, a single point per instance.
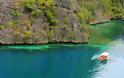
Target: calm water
pixel 67 60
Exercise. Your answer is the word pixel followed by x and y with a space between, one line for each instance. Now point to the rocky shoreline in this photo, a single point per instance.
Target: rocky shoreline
pixel 100 21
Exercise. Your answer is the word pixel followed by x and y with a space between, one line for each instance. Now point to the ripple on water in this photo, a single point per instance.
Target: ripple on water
pixel 114 68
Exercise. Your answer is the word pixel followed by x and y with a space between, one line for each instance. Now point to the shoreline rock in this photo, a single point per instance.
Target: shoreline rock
pixel 99 21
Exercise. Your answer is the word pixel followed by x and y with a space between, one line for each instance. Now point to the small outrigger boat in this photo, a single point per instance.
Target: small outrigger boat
pixel 104 56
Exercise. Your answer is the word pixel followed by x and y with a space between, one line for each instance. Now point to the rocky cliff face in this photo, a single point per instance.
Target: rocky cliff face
pixel 44 21
pixel 18 26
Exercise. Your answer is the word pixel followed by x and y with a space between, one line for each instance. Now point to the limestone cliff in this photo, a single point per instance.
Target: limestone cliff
pixel 44 21
pixel 18 26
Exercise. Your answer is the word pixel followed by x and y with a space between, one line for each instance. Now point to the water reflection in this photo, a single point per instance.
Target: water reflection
pixel 107 32
pixel 113 68
pixel 67 61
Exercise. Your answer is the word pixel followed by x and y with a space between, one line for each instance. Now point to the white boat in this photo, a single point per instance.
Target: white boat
pixel 104 56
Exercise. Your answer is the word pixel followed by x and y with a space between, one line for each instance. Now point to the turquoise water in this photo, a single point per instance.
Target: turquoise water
pixel 67 60
pixel 61 62
pixel 107 32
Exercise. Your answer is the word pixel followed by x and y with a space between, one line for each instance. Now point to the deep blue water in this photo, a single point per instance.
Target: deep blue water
pixel 61 62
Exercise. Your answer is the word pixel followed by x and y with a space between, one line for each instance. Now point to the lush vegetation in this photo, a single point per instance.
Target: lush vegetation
pixel 111 8
pixel 26 12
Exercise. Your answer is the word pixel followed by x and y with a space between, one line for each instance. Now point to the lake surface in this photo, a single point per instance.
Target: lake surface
pixel 68 60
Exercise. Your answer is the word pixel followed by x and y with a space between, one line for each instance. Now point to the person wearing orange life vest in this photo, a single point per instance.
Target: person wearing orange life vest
pixel 104 56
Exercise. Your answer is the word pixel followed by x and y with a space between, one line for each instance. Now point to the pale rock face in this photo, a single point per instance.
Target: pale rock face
pixel 40 28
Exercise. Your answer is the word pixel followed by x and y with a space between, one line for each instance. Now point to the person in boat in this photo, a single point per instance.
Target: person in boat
pixel 104 56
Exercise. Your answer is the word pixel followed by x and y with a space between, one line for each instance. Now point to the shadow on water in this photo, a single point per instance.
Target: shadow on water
pixel 107 32
pixel 103 62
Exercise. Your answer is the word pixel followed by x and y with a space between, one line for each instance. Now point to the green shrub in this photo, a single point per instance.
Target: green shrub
pixel 2 27
pixel 51 17
pixel 84 14
pixel 35 7
pixel 27 35
pixel 43 4
pixel 118 11
pixel 28 5
pixel 91 6
pixel 86 28
pixel 15 13
pixel 36 13
pixel 12 24
pixel 107 4
pixel 50 34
